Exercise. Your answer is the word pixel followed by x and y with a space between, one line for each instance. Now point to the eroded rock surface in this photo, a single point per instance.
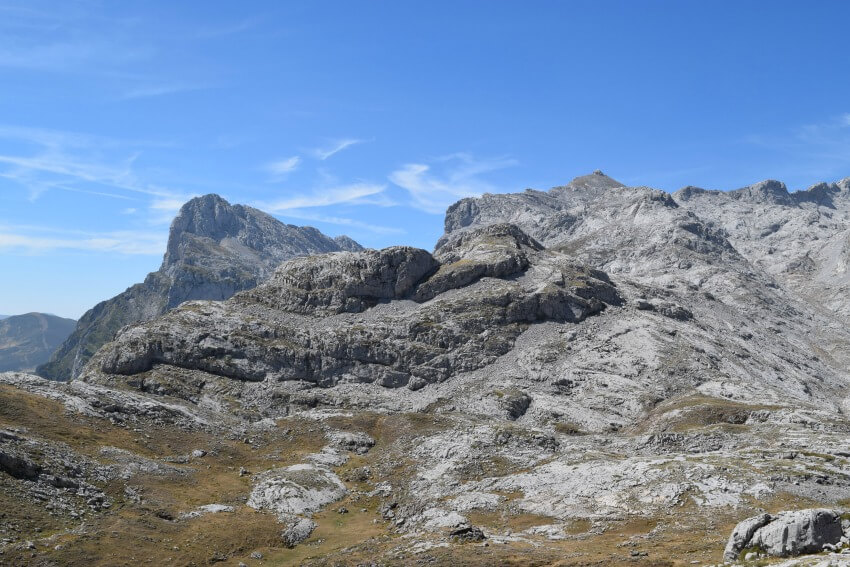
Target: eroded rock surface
pixel 214 250
pixel 362 317
pixel 596 373
pixel 786 534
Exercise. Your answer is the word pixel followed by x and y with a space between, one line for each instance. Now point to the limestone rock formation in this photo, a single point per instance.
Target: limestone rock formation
pixel 28 340
pixel 787 534
pixel 596 373
pixel 802 239
pixel 419 325
pixel 214 250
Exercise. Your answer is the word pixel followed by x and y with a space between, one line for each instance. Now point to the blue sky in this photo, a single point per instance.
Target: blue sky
pixel 369 118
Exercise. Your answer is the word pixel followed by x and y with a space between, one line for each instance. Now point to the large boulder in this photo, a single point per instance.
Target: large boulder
pixel 786 534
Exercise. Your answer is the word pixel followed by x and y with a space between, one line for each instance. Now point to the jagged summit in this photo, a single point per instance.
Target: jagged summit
pixel 767 191
pixel 771 191
pixel 214 250
pixel 595 180
pixel 211 216
pixel 210 219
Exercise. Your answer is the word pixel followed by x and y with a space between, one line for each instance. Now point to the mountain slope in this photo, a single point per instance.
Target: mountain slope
pixel 27 340
pixel 214 250
pixel 802 239
pixel 594 374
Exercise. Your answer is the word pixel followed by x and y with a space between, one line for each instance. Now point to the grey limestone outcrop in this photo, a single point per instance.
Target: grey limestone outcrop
pixel 214 250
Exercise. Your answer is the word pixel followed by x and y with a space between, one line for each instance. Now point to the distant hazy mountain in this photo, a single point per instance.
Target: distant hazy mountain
pixel 215 249
pixel 28 340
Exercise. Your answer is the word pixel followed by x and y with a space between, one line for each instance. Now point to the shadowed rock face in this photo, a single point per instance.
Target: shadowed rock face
pixel 214 250
pixel 395 317
pixel 27 340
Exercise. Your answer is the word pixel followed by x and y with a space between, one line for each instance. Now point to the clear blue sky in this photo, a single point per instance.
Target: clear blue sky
pixel 369 118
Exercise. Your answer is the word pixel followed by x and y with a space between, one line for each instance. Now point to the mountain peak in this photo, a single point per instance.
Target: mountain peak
pixel 208 215
pixel 595 180
pixel 214 250
pixel 767 191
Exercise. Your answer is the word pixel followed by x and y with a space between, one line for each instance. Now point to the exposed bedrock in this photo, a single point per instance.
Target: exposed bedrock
pixel 396 316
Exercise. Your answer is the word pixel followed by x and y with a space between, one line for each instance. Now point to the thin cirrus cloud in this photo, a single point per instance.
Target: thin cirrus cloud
pixel 85 164
pixel 821 149
pixel 334 148
pixel 354 193
pixel 433 187
pixel 351 194
pixel 213 32
pixel 60 39
pixel 826 135
pixel 281 167
pixel 156 90
pixel 342 221
pixel 36 240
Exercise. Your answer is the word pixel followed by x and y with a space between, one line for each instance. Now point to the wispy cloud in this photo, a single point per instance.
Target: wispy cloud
pixel 281 167
pixel 818 150
pixel 826 136
pixel 334 148
pixel 61 39
pixel 434 187
pixel 84 164
pixel 342 221
pixel 119 242
pixel 354 193
pixel 156 90
pixel 61 159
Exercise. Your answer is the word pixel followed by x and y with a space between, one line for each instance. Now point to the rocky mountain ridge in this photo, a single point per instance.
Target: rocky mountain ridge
pixel 595 374
pixel 214 250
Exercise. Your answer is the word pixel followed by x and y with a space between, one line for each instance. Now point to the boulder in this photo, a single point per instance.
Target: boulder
pixel 296 490
pixel 786 534
pixel 299 530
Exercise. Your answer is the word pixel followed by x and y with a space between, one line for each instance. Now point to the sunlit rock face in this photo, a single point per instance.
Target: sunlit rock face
pixel 214 250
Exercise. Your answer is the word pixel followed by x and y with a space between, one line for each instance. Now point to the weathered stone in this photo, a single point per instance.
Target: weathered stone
pixel 344 282
pixel 299 530
pixel 214 250
pixel 296 490
pixel 786 534
pixel 263 334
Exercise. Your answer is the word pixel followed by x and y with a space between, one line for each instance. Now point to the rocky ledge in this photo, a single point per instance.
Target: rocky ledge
pixel 397 317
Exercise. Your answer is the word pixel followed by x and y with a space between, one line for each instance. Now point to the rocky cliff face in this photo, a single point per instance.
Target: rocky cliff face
pixel 214 250
pixel 596 373
pixel 395 317
pixel 27 340
pixel 801 239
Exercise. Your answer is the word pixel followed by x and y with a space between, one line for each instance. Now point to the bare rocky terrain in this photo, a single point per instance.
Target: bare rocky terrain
pixel 590 375
pixel 214 250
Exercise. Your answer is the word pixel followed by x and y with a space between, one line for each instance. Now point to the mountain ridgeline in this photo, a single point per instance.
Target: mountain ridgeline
pixel 214 250
pixel 28 340
pixel 594 374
